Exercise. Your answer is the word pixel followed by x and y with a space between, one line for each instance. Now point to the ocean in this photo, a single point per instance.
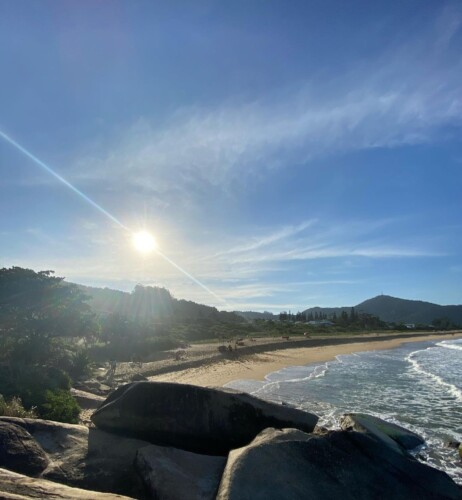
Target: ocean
pixel 417 386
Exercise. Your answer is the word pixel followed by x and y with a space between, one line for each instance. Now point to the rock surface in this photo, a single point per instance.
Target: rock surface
pixel 15 486
pixel 19 451
pixel 86 458
pixel 93 386
pixel 87 400
pixel 381 429
pixel 198 419
pixel 290 464
pixel 172 474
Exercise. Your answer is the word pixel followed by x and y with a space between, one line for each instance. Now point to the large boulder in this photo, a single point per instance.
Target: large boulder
pixel 86 458
pixel 19 451
pixel 382 430
pixel 18 487
pixel 173 474
pixel 199 419
pixel 293 465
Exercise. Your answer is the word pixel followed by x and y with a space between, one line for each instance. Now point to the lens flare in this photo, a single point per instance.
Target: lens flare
pixel 144 242
pixel 61 179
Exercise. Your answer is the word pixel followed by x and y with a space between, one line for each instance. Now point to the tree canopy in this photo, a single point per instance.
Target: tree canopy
pixel 36 307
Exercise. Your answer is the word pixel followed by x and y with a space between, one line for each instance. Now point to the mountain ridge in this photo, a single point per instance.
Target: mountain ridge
pixel 387 308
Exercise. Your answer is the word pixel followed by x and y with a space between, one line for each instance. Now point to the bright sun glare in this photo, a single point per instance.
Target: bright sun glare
pixel 144 242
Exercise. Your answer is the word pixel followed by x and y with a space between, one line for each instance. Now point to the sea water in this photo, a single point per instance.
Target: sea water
pixel 417 386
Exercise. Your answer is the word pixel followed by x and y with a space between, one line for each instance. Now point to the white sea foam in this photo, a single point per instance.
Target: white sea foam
pixel 319 371
pixel 413 390
pixel 456 347
pixel 450 388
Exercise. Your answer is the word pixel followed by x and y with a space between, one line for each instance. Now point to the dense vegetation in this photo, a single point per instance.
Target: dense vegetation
pixel 51 331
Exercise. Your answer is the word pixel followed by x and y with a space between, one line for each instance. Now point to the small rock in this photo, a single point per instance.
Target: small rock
pixel 87 400
pixel 385 431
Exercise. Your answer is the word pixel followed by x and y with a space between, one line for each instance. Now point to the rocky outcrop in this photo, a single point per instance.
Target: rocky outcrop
pixel 19 451
pixel 300 462
pixel 86 458
pixel 198 419
pixel 291 464
pixel 382 430
pixel 172 474
pixel 15 486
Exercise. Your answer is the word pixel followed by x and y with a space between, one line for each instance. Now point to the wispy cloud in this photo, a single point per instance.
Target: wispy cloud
pixel 268 239
pixel 316 240
pixel 403 97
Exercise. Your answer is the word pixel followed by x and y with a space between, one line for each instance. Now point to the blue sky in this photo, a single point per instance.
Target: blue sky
pixel 285 154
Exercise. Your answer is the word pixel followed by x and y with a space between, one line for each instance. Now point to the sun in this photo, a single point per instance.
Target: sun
pixel 144 242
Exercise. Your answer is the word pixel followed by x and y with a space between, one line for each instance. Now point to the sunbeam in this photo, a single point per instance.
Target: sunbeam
pixel 135 235
pixel 61 179
pixel 191 277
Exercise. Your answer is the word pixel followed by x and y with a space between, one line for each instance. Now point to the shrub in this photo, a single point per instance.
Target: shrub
pixel 14 408
pixel 44 390
pixel 80 364
pixel 60 406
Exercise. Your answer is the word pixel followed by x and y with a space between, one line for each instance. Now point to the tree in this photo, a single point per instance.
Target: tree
pixel 344 318
pixel 353 316
pixel 36 309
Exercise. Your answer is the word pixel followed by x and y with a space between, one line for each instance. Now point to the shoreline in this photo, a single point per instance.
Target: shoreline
pixel 255 366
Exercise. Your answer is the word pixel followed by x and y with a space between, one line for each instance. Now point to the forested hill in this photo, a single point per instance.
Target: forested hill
pixel 395 310
pixel 152 304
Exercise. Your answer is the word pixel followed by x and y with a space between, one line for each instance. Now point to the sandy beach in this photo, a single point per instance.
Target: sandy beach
pixel 256 365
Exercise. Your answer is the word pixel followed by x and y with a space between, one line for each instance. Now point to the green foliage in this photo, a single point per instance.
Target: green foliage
pixel 60 406
pixel 36 308
pixel 40 316
pixel 42 389
pixel 444 324
pixel 14 408
pixel 75 362
pixel 80 364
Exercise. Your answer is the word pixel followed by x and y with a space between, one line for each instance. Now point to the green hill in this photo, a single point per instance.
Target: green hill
pixel 395 310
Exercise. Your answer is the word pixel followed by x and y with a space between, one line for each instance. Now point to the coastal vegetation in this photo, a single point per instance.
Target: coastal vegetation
pixel 53 333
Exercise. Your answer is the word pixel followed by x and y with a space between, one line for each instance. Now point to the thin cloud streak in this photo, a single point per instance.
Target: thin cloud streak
pixel 330 252
pixel 278 235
